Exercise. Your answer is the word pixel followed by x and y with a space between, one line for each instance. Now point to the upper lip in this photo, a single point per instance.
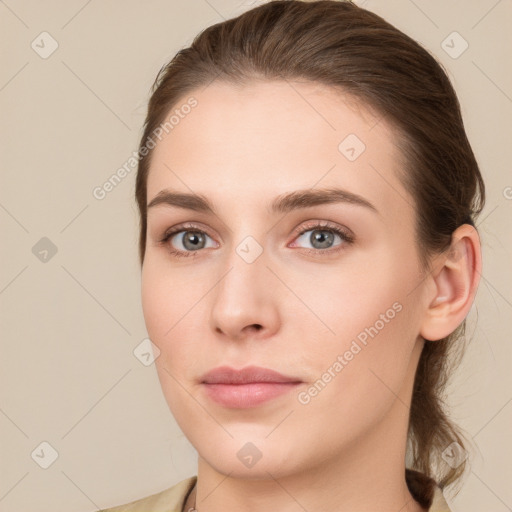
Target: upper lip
pixel 249 374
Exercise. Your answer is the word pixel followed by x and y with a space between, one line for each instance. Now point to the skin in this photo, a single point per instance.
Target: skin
pixel 241 147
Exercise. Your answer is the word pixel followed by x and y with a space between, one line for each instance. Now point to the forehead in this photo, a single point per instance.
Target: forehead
pixel 262 139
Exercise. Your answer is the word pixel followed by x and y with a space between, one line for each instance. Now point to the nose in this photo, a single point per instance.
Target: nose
pixel 245 301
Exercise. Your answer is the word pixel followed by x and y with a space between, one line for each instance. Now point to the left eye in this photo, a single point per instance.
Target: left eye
pixel 322 238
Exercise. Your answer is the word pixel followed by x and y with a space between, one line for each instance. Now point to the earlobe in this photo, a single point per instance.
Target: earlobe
pixel 455 281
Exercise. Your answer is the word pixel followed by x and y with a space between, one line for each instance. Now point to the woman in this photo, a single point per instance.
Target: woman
pixel 307 196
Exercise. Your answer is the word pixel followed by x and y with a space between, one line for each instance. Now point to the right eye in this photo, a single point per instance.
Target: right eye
pixel 185 241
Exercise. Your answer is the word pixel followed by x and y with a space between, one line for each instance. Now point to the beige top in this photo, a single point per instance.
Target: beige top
pixel 173 499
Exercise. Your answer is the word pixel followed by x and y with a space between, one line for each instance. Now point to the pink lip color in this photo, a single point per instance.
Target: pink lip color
pixel 249 387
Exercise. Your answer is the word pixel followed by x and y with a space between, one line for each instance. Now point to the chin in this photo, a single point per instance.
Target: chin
pixel 259 459
pixel 262 470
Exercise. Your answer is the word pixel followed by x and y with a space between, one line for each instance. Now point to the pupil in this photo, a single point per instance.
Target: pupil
pixel 194 239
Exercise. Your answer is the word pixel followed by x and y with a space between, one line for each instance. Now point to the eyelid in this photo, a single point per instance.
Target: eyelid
pixel 187 226
pixel 179 228
pixel 323 224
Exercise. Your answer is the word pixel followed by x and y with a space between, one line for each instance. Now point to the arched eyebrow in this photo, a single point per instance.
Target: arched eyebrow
pixel 283 203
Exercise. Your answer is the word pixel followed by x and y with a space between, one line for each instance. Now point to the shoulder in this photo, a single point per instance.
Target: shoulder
pixel 168 500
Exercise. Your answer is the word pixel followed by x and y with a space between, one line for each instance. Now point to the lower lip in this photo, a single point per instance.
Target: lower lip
pixel 241 396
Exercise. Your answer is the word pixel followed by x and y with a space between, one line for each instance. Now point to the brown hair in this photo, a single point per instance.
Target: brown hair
pixel 341 45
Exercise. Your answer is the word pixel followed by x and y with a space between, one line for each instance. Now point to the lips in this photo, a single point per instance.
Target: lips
pixel 248 387
pixel 247 375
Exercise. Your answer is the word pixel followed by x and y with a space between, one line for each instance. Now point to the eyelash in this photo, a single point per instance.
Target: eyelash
pixel 346 237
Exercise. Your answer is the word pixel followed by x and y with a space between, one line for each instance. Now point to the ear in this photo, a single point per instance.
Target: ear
pixel 454 283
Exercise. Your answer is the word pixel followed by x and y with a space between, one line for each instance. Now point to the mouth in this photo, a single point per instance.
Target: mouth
pixel 248 387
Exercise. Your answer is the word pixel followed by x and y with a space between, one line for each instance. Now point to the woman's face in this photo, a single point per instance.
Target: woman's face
pixel 337 308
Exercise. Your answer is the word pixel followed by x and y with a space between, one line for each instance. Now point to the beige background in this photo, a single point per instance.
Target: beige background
pixel 70 324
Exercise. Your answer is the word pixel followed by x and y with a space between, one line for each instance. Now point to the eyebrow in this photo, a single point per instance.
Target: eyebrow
pixel 283 203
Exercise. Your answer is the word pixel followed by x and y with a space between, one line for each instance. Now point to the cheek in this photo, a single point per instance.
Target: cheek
pixel 171 304
pixel 167 296
pixel 348 300
pixel 154 301
pixel 373 320
pixel 357 382
pixel 165 314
